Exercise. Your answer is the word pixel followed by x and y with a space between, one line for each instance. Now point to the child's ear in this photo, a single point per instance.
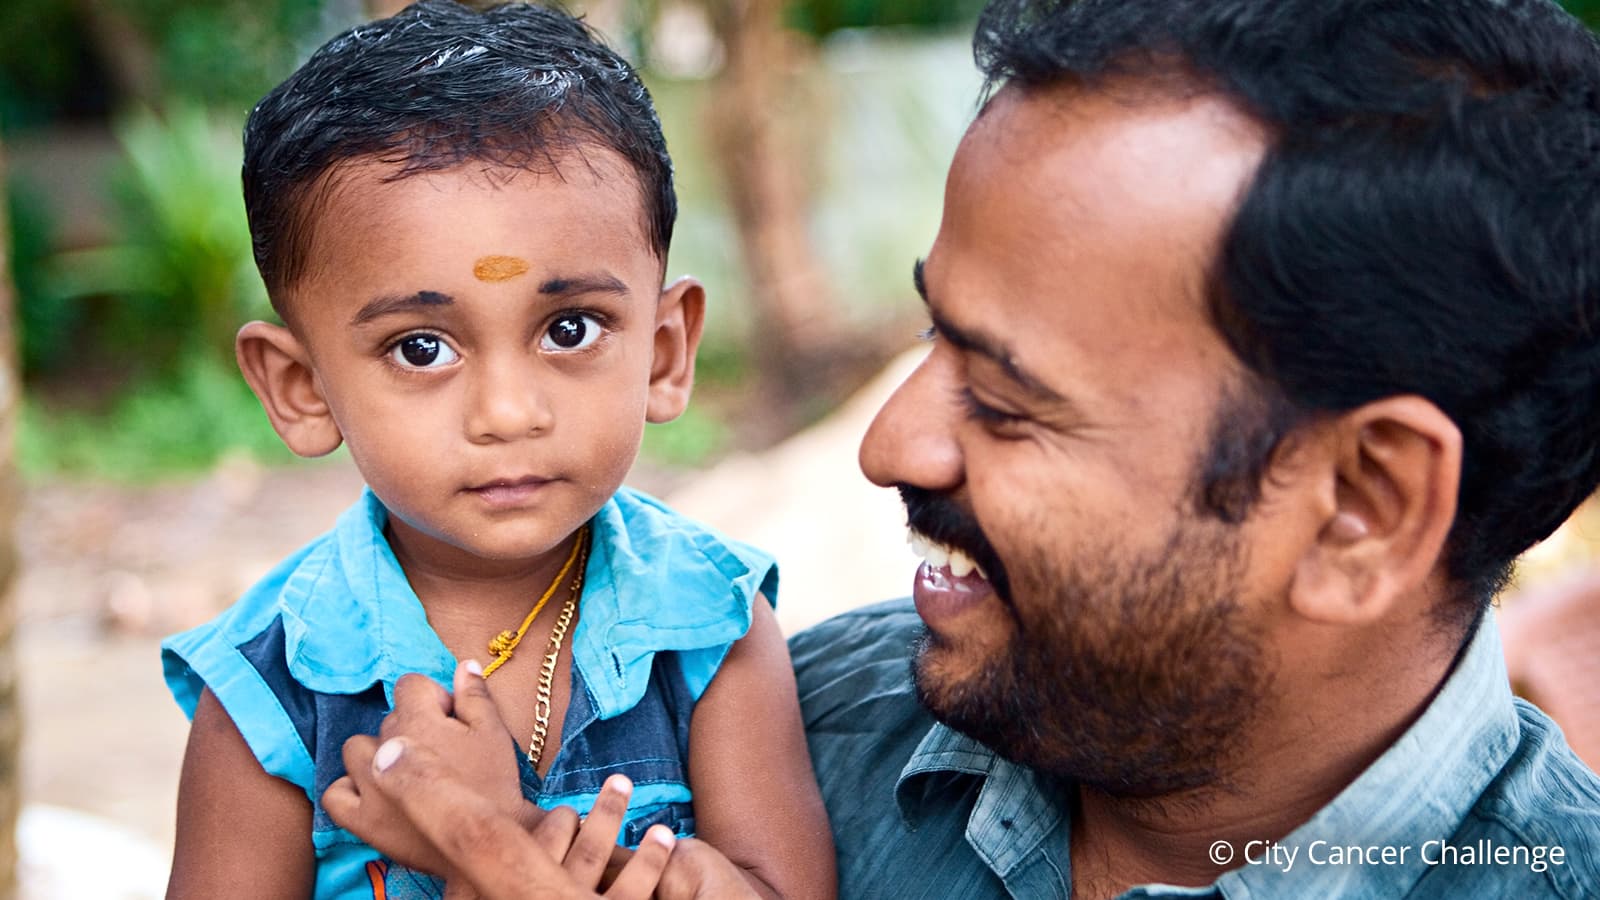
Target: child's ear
pixel 1395 468
pixel 680 316
pixel 278 369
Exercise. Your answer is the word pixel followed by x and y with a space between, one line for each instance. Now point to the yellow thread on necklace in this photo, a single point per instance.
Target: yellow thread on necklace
pixel 506 641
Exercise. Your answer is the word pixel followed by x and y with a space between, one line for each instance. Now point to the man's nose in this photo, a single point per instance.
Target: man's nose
pixel 508 400
pixel 912 440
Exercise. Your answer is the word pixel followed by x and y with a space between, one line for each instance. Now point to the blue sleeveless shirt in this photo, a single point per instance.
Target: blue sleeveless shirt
pixel 309 656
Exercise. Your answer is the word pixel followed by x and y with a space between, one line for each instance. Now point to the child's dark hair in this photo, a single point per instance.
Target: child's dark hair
pixel 435 86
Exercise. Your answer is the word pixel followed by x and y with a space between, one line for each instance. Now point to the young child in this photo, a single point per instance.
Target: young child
pixel 462 220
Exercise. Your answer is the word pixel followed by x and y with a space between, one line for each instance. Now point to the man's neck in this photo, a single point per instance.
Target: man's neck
pixel 1301 756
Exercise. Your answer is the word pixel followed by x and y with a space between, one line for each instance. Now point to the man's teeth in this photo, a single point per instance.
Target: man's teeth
pixel 941 556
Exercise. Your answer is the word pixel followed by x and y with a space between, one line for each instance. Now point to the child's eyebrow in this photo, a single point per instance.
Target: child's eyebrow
pixel 590 283
pixel 383 306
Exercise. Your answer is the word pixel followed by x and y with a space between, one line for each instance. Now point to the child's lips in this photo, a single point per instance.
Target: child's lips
pixel 509 492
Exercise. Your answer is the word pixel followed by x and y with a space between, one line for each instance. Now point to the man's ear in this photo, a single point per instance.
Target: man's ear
pixel 1396 466
pixel 278 369
pixel 680 316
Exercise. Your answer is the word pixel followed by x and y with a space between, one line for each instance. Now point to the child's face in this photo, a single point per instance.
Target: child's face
pixel 489 344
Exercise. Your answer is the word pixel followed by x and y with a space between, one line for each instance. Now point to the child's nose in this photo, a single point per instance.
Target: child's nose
pixel 507 401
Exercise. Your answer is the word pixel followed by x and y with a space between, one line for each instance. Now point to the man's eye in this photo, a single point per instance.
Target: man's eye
pixel 983 413
pixel 572 331
pixel 422 351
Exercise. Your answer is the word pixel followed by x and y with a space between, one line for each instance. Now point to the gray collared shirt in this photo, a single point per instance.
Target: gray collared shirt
pixel 1481 797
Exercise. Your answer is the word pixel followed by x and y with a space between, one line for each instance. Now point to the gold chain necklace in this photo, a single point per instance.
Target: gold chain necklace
pixel 506 641
pixel 547 669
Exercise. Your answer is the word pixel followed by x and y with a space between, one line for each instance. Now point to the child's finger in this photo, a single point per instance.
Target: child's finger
pixel 591 850
pixel 473 705
pixel 341 801
pixel 357 755
pixel 641 874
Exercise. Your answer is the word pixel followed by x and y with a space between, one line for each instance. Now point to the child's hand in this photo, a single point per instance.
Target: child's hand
pixel 494 855
pixel 474 740
pixel 698 871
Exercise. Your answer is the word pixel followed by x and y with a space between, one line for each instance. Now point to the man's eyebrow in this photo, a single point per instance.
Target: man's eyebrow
pixel 988 346
pixel 592 283
pixel 397 303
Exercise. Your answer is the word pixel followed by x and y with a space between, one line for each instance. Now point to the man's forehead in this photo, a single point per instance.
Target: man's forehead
pixel 1093 217
pixel 1151 128
pixel 1055 173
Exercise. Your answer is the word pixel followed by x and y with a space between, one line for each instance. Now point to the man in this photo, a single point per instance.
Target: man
pixel 1264 340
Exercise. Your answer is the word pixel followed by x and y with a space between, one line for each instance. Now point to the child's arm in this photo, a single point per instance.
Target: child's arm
pixel 755 796
pixel 241 832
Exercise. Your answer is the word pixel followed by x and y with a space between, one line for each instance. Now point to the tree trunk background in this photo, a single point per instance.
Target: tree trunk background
pixel 10 707
pixel 762 140
pixel 124 50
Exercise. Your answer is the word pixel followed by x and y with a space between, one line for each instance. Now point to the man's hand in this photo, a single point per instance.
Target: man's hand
pixel 439 791
pixel 474 740
pixel 492 852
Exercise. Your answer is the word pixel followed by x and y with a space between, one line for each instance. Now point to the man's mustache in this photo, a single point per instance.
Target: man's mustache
pixel 945 521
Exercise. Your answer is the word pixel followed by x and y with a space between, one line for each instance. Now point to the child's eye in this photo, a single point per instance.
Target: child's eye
pixel 422 351
pixel 571 331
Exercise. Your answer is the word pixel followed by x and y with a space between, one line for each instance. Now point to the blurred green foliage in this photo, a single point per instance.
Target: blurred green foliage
pixel 228 53
pixel 136 335
pixel 1587 10
pixel 47 323
pixel 688 440
pixel 179 266
pixel 177 423
pixel 47 69
pixel 823 17
pixel 80 60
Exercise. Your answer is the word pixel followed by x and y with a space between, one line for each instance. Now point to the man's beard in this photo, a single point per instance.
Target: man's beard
pixel 1138 677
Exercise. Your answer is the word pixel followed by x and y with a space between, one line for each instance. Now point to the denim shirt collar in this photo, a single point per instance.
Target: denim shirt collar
pixel 1420 789
pixel 351 619
pixel 1014 812
pixel 350 616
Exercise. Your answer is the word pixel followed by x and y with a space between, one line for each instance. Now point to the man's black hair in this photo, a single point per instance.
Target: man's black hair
pixel 1426 220
pixel 435 86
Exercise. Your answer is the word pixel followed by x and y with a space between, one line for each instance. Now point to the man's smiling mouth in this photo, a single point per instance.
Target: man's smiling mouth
pixel 942 557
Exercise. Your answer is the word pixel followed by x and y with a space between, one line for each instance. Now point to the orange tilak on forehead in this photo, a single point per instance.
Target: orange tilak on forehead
pixel 498 268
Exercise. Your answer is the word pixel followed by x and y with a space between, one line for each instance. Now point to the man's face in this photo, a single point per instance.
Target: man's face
pixel 1113 633
pixel 484 340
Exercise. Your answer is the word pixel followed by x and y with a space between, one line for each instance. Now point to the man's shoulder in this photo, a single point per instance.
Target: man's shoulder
pixel 855 669
pixel 1544 798
pixel 863 723
pixel 871 636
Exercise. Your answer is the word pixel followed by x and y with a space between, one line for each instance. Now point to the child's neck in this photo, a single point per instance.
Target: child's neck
pixel 459 589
